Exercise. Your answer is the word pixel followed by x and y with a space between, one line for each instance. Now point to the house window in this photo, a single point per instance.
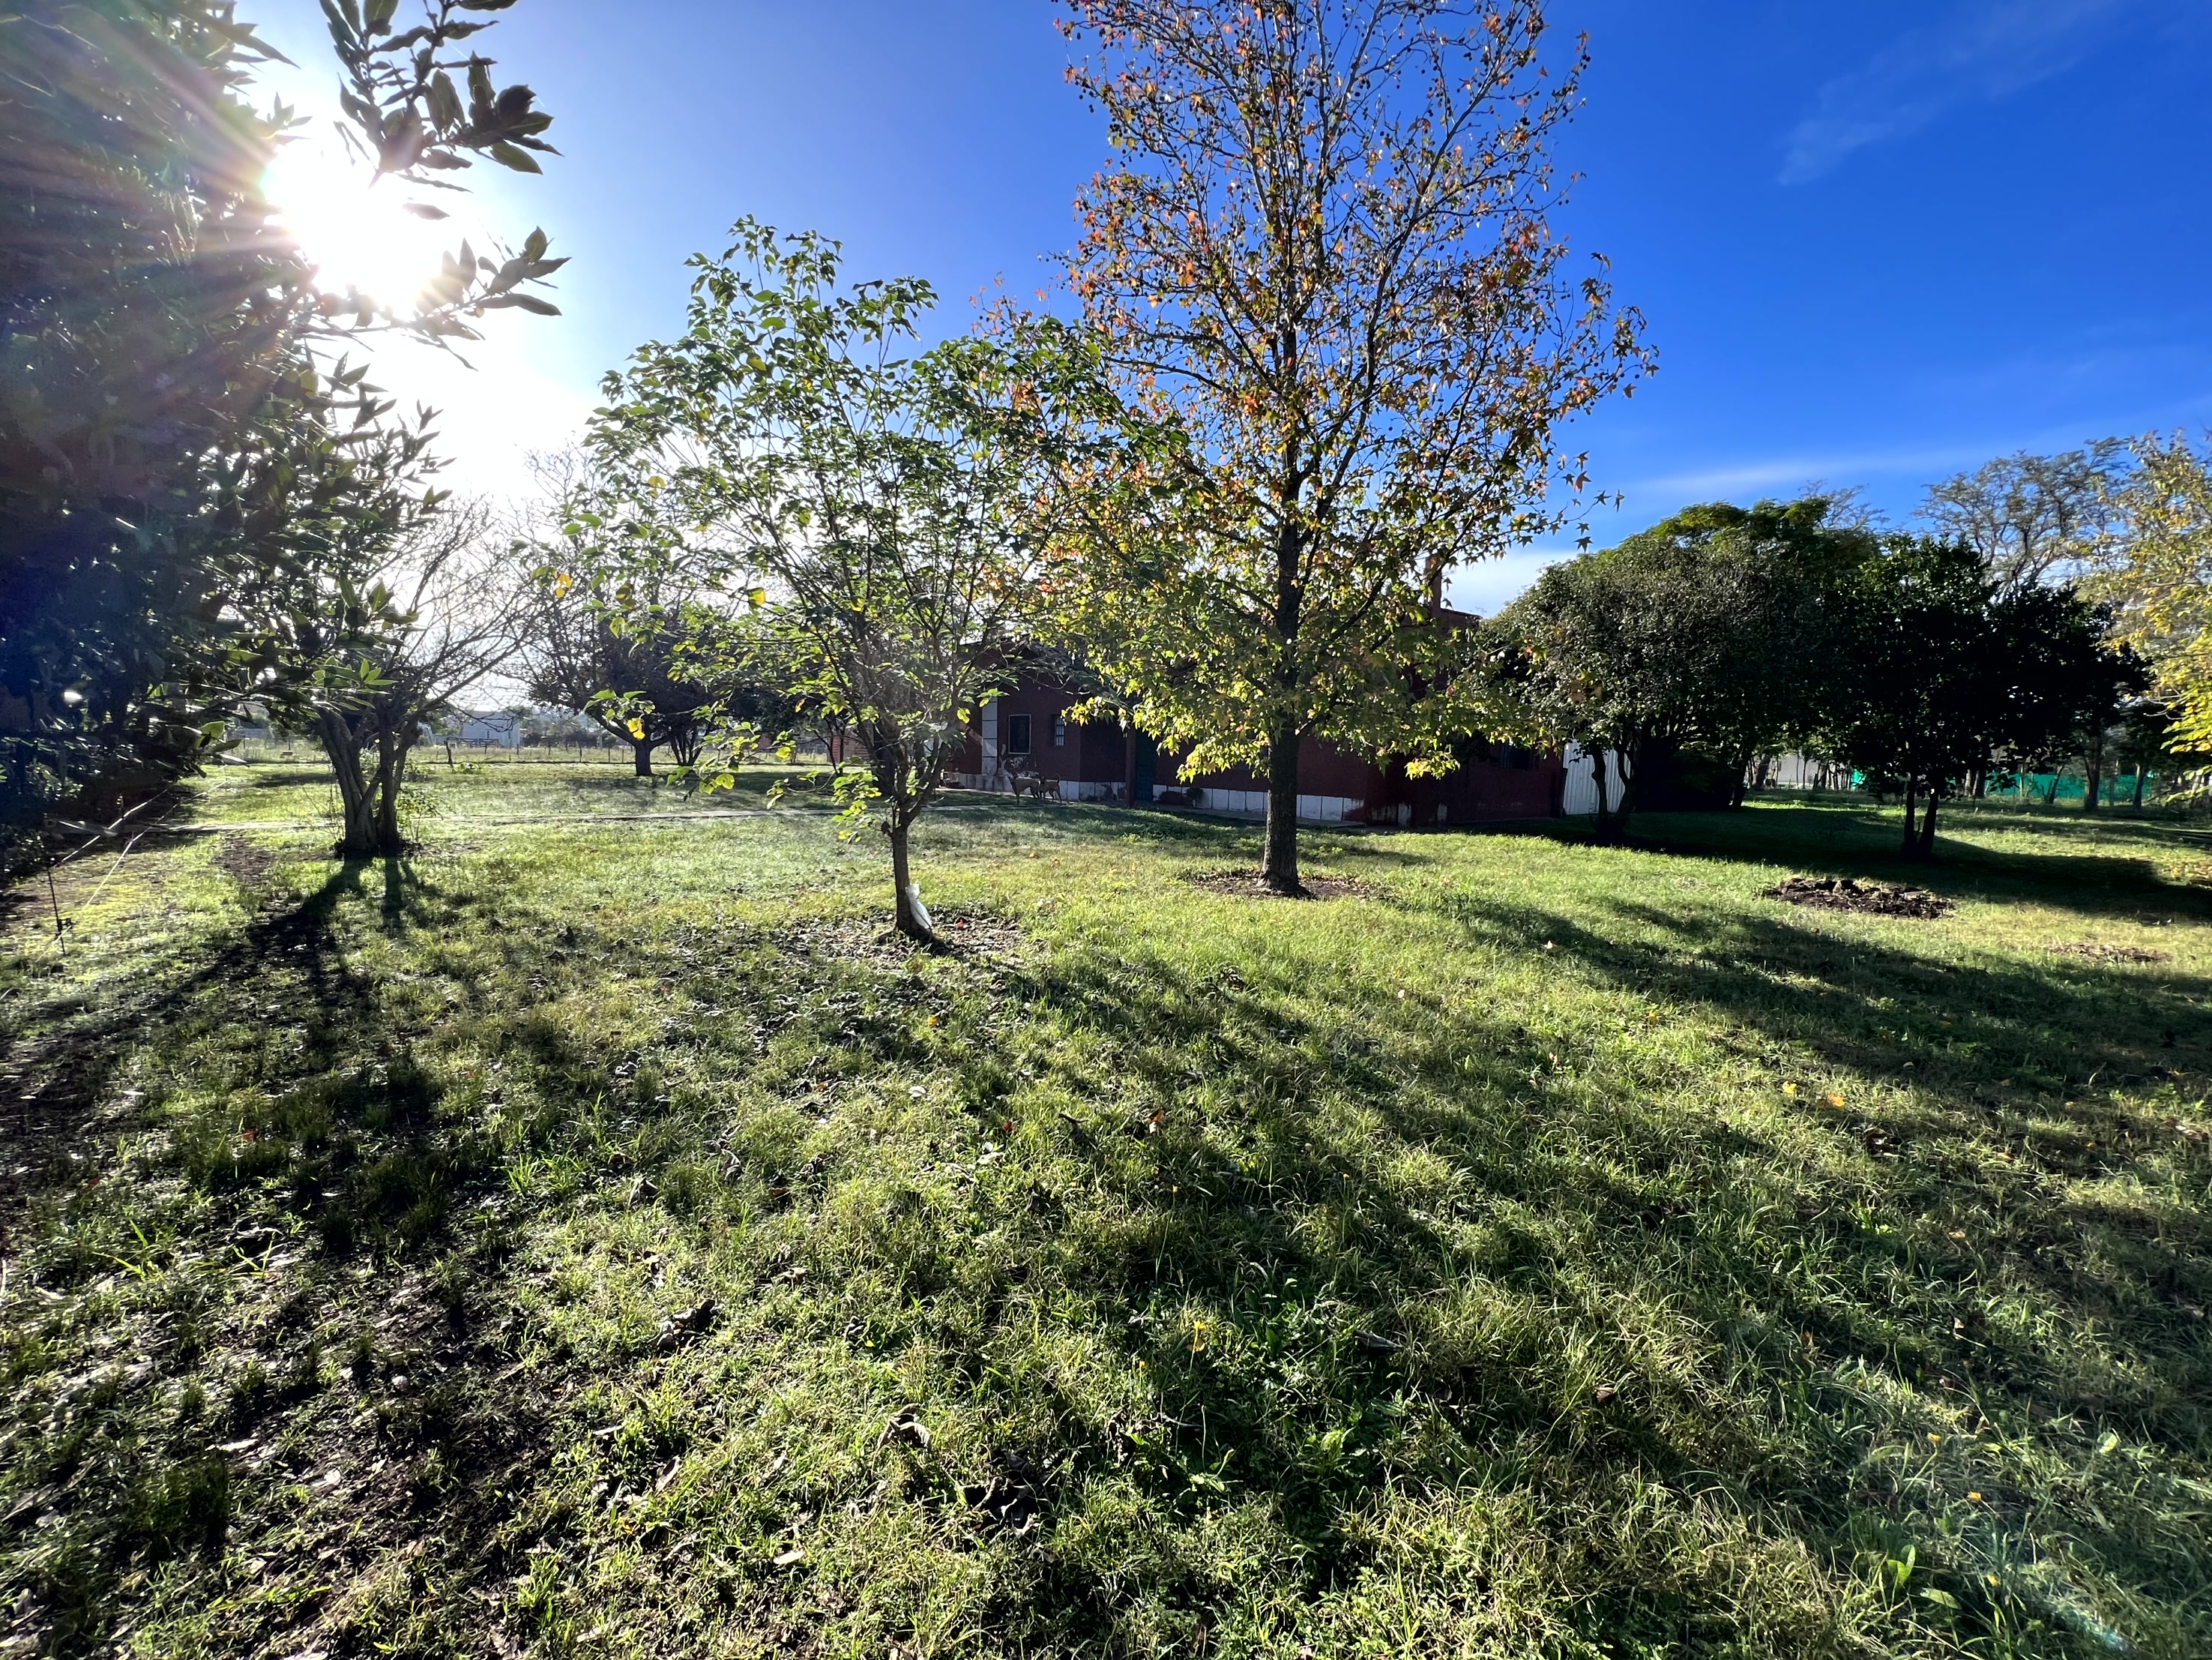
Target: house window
pixel 1059 732
pixel 1018 734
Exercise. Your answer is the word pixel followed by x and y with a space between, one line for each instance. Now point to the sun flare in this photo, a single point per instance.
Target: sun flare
pixel 357 235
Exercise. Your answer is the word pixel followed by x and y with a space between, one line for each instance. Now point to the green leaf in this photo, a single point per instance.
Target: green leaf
pixel 445 102
pixel 513 156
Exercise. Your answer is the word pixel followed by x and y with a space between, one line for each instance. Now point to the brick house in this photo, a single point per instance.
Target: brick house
pixel 1025 742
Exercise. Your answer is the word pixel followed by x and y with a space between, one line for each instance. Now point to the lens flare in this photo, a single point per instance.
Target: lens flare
pixel 359 235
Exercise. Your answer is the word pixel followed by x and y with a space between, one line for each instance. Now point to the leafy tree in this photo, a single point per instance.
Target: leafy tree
pixel 874 506
pixel 618 661
pixel 2030 518
pixel 2154 571
pixel 1943 670
pixel 158 328
pixel 393 601
pixel 1321 268
pixel 1711 632
pixel 443 611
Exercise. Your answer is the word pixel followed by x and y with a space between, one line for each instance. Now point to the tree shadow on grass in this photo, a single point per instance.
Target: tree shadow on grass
pixel 357 1188
pixel 1396 1267
pixel 2079 872
pixel 1437 1313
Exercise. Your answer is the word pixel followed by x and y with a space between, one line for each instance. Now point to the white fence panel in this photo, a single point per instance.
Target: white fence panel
pixel 1580 795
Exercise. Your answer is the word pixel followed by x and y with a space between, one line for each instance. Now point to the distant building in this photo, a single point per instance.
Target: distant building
pixel 500 728
pixel 1027 742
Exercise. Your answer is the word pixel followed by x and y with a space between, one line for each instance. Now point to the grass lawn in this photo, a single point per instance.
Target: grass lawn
pixel 593 1235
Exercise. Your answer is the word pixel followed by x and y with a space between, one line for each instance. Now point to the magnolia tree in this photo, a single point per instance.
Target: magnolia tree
pixel 871 505
pixel 1321 272
pixel 1717 631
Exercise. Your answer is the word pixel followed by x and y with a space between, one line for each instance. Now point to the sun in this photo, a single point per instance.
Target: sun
pixel 357 235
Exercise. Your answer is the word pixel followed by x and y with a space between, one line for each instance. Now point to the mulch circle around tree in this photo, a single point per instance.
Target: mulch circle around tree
pixel 2110 953
pixel 1248 884
pixel 1867 898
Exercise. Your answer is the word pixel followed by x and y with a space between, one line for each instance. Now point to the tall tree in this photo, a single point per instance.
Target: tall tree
pixel 2030 518
pixel 1323 265
pixel 876 505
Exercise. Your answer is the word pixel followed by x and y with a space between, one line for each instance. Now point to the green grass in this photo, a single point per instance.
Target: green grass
pixel 300 794
pixel 600 1239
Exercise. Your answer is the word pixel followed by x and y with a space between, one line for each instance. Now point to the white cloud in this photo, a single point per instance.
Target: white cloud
pixel 1790 473
pixel 1988 51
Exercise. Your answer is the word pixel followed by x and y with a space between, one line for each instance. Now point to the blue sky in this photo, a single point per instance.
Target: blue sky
pixel 1876 243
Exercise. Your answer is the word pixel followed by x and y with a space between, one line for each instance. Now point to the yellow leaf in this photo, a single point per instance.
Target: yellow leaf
pixel 637 729
pixel 1789 1089
pixel 1835 1100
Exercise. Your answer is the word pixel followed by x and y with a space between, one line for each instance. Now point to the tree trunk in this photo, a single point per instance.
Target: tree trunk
pixel 1912 847
pixel 1628 768
pixel 390 779
pixel 1928 828
pixel 1604 831
pixel 684 745
pixel 2095 763
pixel 356 800
pixel 913 916
pixel 641 749
pixel 2140 770
pixel 1280 867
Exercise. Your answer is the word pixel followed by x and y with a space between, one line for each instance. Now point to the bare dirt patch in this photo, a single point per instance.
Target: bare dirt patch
pixel 1248 885
pixel 244 861
pixel 875 943
pixel 1866 898
pixel 2097 953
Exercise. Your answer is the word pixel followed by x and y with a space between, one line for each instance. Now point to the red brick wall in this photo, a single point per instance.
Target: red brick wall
pixel 1479 791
